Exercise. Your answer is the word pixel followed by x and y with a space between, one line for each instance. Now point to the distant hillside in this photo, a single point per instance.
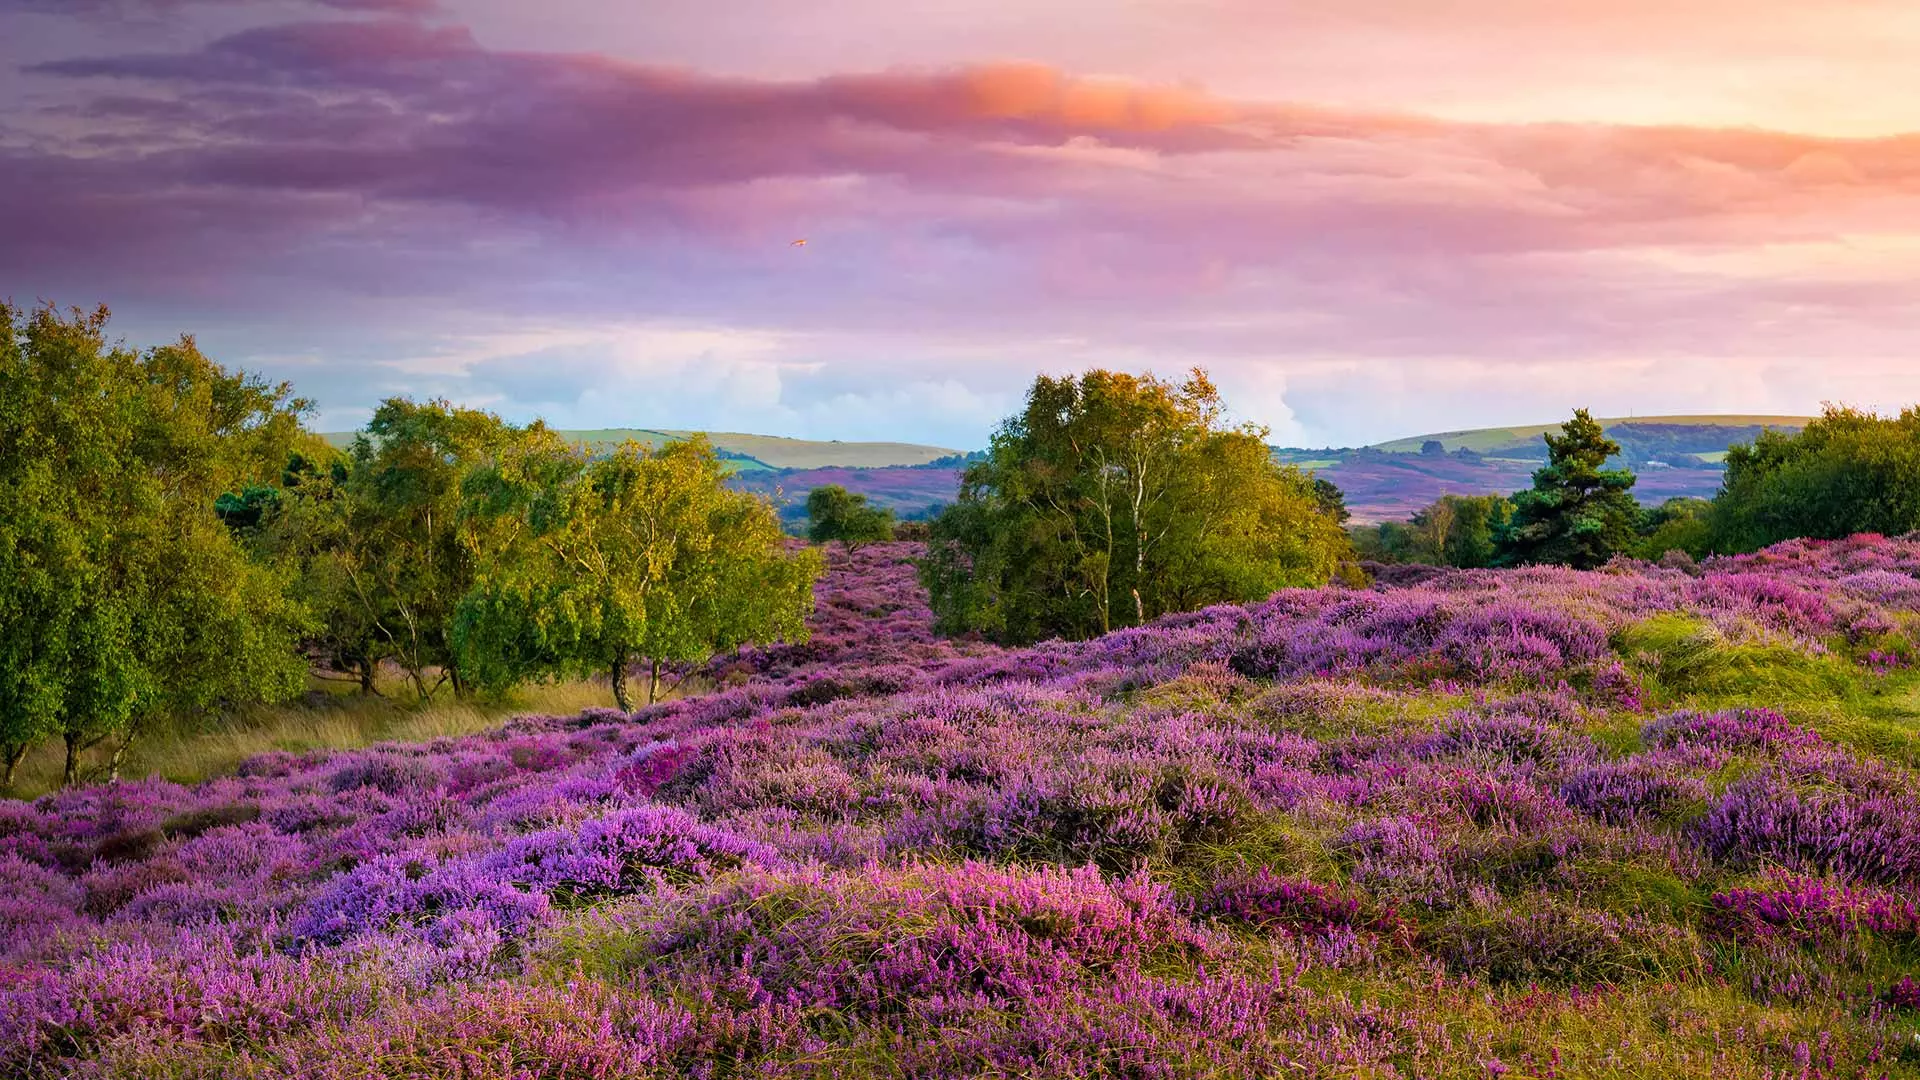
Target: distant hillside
pixel 1715 432
pixel 910 491
pixel 753 453
pixel 1673 456
pixel 1380 486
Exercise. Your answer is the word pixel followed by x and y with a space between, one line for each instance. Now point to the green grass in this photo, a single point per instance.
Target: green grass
pixel 765 451
pixel 1687 662
pixel 1484 439
pixel 339 721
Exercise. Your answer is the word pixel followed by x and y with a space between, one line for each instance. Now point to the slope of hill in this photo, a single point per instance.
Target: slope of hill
pixel 752 453
pixel 908 491
pixel 778 452
pixel 1337 833
pixel 1381 486
pixel 1498 441
pixel 1673 455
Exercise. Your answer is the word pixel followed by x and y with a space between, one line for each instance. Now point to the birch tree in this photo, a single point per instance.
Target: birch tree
pixel 640 557
pixel 1112 499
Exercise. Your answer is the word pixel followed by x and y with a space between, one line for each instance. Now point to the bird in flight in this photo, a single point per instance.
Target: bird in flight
pixel 799 243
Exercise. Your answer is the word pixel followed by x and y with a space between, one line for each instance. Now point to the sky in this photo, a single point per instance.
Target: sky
pixel 1366 218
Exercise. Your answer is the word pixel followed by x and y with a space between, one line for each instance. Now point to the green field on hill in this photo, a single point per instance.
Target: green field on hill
pixel 751 453
pixel 1486 440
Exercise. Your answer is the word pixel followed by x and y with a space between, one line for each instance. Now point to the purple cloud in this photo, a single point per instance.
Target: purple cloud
pixel 122 8
pixel 1005 206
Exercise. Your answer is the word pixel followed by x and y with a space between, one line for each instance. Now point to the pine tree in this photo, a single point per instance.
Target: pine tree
pixel 1579 513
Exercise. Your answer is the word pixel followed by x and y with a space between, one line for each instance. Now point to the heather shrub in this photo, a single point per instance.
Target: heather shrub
pixel 397 892
pixel 633 850
pixel 1084 816
pixel 1506 738
pixel 1768 817
pixel 1639 788
pixel 1427 837
pixel 1295 906
pixel 883 943
pixel 1396 856
pixel 1804 908
pixel 501 1032
pixel 1551 940
pixel 192 823
pixel 35 901
pixel 1737 730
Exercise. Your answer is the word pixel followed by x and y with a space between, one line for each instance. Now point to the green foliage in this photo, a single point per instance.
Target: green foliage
pixel 1454 530
pixel 642 554
pixel 1331 500
pixel 1578 512
pixel 1688 657
pixel 834 513
pixel 1112 499
pixel 1847 472
pixel 1679 524
pixel 391 553
pixel 124 599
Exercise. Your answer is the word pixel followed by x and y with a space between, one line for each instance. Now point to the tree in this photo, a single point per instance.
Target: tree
pixel 641 555
pixel 1679 524
pixel 1847 472
pixel 1434 528
pixel 835 513
pixel 305 529
pixel 1577 513
pixel 1331 500
pixel 124 598
pixel 402 550
pixel 1454 530
pixel 1471 523
pixel 1112 499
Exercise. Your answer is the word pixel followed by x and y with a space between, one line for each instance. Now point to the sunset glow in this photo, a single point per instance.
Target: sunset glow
pixel 1368 219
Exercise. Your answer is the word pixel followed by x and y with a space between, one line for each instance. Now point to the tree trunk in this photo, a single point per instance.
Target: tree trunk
pixel 459 687
pixel 367 688
pixel 619 676
pixel 1139 541
pixel 653 681
pixel 70 775
pixel 119 755
pixel 15 753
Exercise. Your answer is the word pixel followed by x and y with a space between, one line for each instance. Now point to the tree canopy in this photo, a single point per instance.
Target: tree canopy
pixel 1847 472
pixel 1679 524
pixel 1112 499
pixel 1453 530
pixel 1578 513
pixel 834 513
pixel 124 597
pixel 642 554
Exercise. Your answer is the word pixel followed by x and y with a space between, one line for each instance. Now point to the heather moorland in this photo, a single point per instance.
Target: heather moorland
pixel 1639 821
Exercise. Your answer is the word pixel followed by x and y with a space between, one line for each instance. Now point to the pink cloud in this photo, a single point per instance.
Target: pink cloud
pixel 1005 205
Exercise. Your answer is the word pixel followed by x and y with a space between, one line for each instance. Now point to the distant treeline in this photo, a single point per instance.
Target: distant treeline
pixel 1847 472
pixel 1677 445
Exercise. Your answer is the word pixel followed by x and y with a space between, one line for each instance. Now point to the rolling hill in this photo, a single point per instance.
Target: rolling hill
pixel 1673 456
pixel 757 453
pixel 1496 441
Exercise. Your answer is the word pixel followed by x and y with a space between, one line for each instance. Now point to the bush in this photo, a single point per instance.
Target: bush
pixel 1557 942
